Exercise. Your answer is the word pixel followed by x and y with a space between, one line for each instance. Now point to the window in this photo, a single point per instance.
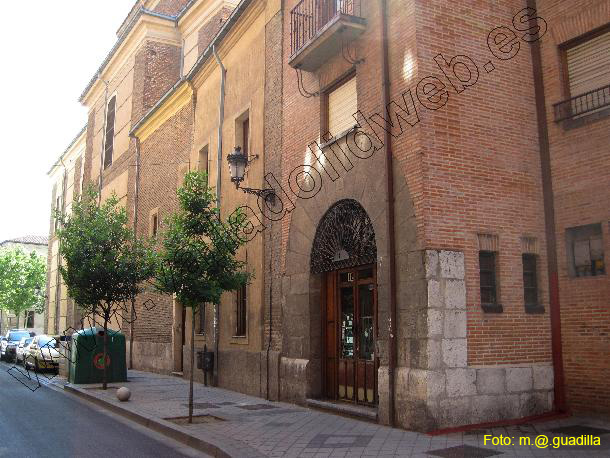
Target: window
pixel 109 135
pixel 487 271
pixel 203 165
pixel 585 250
pixel 587 61
pixel 530 282
pixel 29 319
pixel 245 135
pixel 342 105
pixel 241 307
pixel 242 131
pixel 200 320
pixel 57 208
pixel 155 225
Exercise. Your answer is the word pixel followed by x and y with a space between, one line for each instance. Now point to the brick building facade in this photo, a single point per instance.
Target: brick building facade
pixel 426 255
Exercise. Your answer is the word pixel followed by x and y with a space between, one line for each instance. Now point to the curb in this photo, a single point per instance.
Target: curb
pixel 165 429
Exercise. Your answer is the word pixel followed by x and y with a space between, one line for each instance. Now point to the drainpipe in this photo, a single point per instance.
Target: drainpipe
pixel 221 115
pixel 390 219
pixel 549 221
pixel 136 199
pixel 58 273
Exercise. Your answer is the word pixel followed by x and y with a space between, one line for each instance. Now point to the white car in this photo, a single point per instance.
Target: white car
pixel 24 343
pixel 42 354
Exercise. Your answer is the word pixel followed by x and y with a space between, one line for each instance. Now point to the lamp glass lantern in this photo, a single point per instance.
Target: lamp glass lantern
pixel 238 160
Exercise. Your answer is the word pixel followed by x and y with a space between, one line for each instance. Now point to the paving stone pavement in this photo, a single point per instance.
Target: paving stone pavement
pixel 252 427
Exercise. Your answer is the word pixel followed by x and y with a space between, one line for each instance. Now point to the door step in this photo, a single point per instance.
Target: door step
pixel 178 374
pixel 343 408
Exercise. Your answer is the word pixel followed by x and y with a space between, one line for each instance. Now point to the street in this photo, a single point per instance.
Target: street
pixel 48 423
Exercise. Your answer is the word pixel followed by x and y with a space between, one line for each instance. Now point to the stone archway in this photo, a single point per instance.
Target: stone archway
pixel 302 342
pixel 344 252
pixel 344 238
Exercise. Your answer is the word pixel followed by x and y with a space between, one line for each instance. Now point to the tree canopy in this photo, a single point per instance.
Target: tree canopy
pixel 104 264
pixel 197 260
pixel 22 278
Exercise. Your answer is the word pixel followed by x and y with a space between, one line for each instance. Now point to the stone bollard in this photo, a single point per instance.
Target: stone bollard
pixel 123 394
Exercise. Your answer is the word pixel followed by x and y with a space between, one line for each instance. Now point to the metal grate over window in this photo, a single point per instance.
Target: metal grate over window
pixel 345 238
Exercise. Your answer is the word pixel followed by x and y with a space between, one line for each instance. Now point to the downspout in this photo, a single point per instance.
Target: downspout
pixel 221 115
pixel 136 199
pixel 58 274
pixel 549 221
pixel 390 218
pixel 270 306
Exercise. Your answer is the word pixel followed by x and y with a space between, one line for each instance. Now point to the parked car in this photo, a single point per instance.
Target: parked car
pixel 24 343
pixel 42 353
pixel 8 352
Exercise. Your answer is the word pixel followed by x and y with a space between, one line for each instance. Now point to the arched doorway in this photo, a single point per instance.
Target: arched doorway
pixel 345 253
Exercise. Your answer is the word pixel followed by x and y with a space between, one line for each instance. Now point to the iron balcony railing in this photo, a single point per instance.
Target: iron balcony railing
pixel 582 104
pixel 310 16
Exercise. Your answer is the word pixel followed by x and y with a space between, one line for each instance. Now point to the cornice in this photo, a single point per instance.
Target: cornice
pixel 204 64
pixel 147 25
pixel 77 145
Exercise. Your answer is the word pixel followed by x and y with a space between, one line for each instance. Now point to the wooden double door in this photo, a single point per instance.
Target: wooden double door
pixel 350 318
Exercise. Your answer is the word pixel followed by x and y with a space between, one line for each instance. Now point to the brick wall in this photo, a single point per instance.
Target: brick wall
pixel 211 28
pixel 580 162
pixel 481 172
pixel 156 70
pixel 170 7
pixel 273 164
pixel 163 157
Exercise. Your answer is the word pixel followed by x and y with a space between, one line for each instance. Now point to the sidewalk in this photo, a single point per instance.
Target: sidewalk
pixel 239 425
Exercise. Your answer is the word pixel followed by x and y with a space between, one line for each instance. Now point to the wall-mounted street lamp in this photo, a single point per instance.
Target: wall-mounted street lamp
pixel 238 161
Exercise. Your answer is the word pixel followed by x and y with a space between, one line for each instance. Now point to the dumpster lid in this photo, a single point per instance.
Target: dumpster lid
pixel 93 331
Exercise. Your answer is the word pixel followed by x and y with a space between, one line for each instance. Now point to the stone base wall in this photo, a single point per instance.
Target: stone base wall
pixel 152 357
pixel 241 371
pixel 450 393
pixel 294 379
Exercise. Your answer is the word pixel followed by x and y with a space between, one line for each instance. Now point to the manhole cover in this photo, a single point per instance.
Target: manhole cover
pixel 197 420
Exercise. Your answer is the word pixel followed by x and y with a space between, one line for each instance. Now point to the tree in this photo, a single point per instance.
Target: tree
pixel 105 264
pixel 197 260
pixel 22 276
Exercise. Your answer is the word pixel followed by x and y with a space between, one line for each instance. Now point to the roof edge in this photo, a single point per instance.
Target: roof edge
pixel 233 18
pixel 74 140
pixel 119 42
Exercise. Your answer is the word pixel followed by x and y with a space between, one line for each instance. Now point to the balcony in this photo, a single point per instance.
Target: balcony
pixel 320 28
pixel 589 103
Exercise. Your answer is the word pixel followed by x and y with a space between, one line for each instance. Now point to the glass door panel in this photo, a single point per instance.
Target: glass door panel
pixel 365 325
pixel 347 321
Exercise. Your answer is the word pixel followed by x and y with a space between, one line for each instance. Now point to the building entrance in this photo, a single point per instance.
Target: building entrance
pixel 351 331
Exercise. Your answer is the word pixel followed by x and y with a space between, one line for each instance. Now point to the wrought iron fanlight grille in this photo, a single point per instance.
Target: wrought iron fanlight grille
pixel 345 238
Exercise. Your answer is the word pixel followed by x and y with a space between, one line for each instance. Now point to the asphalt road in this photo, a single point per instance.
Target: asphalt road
pixel 50 423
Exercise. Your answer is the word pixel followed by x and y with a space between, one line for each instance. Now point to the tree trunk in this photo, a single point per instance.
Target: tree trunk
pixel 17 315
pixel 105 375
pixel 192 366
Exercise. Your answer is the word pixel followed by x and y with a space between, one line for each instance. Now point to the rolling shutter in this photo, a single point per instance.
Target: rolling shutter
pixel 589 65
pixel 342 105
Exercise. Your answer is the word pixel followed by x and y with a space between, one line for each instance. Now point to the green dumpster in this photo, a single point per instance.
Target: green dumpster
pixel 87 356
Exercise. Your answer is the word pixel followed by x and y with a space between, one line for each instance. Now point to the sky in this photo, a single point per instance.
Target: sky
pixel 50 50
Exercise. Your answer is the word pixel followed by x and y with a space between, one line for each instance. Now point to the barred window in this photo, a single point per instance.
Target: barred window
pixel 530 279
pixel 241 312
pixel 109 135
pixel 200 320
pixel 487 270
pixel 585 250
